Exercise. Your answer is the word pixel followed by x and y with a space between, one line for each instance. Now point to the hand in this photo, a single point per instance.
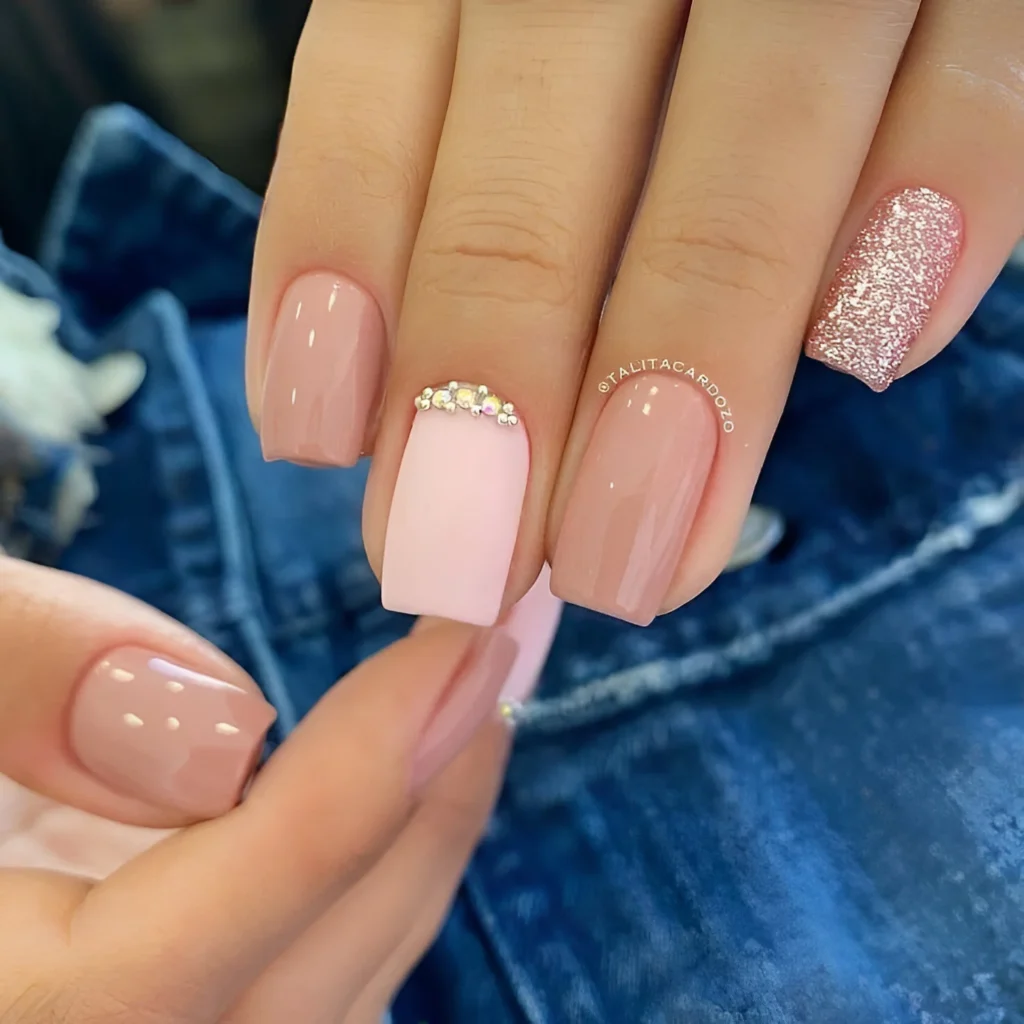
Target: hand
pixel 454 185
pixel 310 900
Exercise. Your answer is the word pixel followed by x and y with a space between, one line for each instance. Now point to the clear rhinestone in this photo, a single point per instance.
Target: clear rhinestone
pixel 441 399
pixel 465 397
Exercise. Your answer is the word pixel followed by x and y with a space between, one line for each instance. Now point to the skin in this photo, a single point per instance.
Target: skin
pixel 442 155
pixel 165 926
pixel 476 167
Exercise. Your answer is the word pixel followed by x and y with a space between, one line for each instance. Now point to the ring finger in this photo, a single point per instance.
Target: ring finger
pixel 772 114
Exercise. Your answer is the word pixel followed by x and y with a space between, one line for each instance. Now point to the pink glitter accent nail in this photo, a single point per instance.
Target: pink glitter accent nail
pixel 887 284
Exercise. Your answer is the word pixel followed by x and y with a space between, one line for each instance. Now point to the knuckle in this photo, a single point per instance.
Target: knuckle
pixel 999 89
pixel 502 244
pixel 725 243
pixel 357 162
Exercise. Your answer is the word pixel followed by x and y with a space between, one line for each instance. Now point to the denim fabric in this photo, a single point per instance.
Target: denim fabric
pixel 798 799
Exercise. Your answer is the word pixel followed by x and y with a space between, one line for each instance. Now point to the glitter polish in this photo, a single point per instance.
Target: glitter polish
pixel 887 284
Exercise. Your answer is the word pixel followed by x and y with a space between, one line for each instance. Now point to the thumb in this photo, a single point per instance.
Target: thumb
pixel 111 707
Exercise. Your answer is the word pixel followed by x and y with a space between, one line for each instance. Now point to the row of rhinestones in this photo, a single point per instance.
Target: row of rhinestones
pixel 475 399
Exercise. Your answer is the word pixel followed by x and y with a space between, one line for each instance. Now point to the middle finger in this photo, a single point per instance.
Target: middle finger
pixel 512 259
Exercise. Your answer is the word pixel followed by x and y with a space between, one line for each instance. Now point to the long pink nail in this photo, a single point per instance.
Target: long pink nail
pixel 635 498
pixel 887 285
pixel 166 734
pixel 469 702
pixel 532 622
pixel 324 372
pixel 455 516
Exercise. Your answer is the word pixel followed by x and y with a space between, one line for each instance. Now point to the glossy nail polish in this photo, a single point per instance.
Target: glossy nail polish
pixel 635 497
pixel 166 734
pixel 532 622
pixel 455 515
pixel 469 701
pixel 887 284
pixel 324 372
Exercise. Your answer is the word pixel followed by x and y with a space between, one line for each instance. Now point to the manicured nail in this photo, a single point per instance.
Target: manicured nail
pixel 887 285
pixel 166 734
pixel 456 508
pixel 635 498
pixel 468 703
pixel 532 622
pixel 324 372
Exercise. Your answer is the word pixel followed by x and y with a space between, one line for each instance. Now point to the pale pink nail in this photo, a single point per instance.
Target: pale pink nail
pixel 324 372
pixel 468 703
pixel 166 734
pixel 455 517
pixel 887 284
pixel 532 622
pixel 635 497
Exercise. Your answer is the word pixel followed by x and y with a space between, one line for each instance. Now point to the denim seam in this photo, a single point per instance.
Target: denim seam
pixel 516 978
pixel 101 125
pixel 240 587
pixel 622 691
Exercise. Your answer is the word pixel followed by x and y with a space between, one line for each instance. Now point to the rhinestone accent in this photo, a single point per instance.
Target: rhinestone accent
pixel 476 399
pixel 511 711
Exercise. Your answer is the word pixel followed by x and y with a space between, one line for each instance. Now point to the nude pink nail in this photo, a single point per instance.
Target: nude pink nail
pixel 455 516
pixel 532 622
pixel 167 734
pixel 635 496
pixel 886 286
pixel 469 702
pixel 324 372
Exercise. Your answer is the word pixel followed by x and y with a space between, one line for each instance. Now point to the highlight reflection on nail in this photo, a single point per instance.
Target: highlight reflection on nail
pixel 167 734
pixel 887 284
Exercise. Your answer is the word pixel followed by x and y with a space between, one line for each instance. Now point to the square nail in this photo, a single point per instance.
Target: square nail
pixel 455 516
pixel 166 734
pixel 886 286
pixel 634 498
pixel 324 372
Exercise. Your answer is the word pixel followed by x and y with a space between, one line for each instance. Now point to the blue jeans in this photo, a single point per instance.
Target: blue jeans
pixel 798 799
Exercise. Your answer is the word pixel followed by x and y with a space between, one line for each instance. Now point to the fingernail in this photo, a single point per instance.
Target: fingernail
pixel 324 372
pixel 455 511
pixel 762 530
pixel 468 703
pixel 887 285
pixel 166 734
pixel 532 622
pixel 635 498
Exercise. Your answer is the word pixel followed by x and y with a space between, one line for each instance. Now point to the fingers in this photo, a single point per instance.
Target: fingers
pixel 368 96
pixel 222 900
pixel 382 927
pixel 939 205
pixel 511 262
pixel 391 916
pixel 109 706
pixel 772 112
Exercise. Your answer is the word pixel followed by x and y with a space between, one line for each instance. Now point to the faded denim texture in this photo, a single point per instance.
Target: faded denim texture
pixel 798 799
